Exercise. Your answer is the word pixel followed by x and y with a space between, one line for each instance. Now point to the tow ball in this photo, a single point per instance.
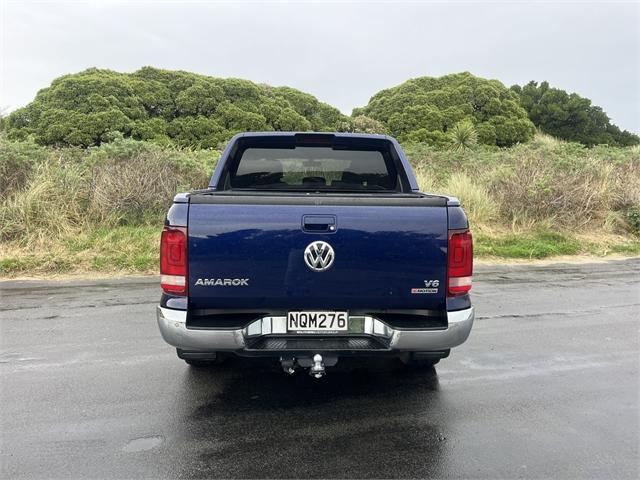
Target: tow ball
pixel 316 364
pixel 317 369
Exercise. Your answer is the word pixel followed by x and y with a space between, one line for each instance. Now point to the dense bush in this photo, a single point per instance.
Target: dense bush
pixel 427 109
pixel 633 219
pixel 362 124
pixel 166 107
pixel 570 116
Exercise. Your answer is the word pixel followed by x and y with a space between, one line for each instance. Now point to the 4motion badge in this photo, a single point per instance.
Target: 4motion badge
pixel 430 286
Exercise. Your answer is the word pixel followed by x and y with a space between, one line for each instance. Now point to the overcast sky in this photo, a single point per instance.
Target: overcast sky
pixel 340 52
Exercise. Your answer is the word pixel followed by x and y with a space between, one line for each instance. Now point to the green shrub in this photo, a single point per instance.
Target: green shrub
pixel 426 109
pixel 362 124
pixel 93 107
pixel 570 116
pixel 633 219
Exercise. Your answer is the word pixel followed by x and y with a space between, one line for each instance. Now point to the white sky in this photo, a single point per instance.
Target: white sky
pixel 340 52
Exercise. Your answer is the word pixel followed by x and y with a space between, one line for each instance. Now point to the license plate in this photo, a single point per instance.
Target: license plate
pixel 317 321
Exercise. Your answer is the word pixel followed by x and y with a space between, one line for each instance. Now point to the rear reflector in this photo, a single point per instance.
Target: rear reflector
pixel 460 262
pixel 173 280
pixel 173 260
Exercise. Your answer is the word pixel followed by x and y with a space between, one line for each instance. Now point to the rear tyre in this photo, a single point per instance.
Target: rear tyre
pixel 201 363
pixel 421 364
pixel 201 359
pixel 423 360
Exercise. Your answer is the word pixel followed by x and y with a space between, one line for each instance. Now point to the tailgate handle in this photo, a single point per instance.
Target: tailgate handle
pixel 319 223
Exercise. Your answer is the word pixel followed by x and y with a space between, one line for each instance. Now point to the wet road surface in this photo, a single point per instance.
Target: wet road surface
pixel 546 386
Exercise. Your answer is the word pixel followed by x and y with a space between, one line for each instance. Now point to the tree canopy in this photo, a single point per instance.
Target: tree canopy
pixel 167 107
pixel 428 109
pixel 186 109
pixel 570 116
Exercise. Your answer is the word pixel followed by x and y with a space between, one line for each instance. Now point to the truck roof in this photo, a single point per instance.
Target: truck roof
pixel 291 134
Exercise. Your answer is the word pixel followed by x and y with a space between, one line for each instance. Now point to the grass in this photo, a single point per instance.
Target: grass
pixel 626 248
pixel 529 245
pixel 118 250
pixel 546 244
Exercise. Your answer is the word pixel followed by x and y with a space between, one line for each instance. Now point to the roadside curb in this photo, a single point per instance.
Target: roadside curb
pixel 481 269
pixel 70 281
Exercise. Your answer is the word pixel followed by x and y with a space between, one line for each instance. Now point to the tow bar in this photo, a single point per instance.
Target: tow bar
pixel 316 365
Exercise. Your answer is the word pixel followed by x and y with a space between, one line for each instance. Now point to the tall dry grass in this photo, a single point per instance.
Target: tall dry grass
pixel 51 204
pixel 547 183
pixel 479 206
pixel 141 185
pixel 69 192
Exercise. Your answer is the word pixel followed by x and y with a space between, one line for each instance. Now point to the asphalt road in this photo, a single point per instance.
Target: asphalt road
pixel 546 386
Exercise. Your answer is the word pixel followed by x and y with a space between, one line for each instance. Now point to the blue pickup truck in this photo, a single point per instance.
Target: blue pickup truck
pixel 310 247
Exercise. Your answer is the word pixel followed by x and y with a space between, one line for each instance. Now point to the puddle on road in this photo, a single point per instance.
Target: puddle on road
pixel 143 444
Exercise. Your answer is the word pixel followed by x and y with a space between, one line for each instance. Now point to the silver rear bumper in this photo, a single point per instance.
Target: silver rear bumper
pixel 173 328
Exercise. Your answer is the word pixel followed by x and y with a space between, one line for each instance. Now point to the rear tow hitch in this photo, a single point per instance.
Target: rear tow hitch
pixel 316 365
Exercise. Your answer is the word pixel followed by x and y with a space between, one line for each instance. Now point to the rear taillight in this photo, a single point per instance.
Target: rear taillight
pixel 460 262
pixel 173 260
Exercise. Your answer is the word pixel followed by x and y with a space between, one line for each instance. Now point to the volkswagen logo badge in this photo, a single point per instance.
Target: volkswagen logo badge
pixel 319 256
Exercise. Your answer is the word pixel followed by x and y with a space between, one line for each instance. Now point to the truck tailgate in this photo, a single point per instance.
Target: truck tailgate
pixel 390 255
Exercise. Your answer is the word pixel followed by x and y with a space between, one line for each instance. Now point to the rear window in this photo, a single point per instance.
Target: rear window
pixel 313 169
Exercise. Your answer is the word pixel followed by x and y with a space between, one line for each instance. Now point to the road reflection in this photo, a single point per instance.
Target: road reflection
pixel 246 419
